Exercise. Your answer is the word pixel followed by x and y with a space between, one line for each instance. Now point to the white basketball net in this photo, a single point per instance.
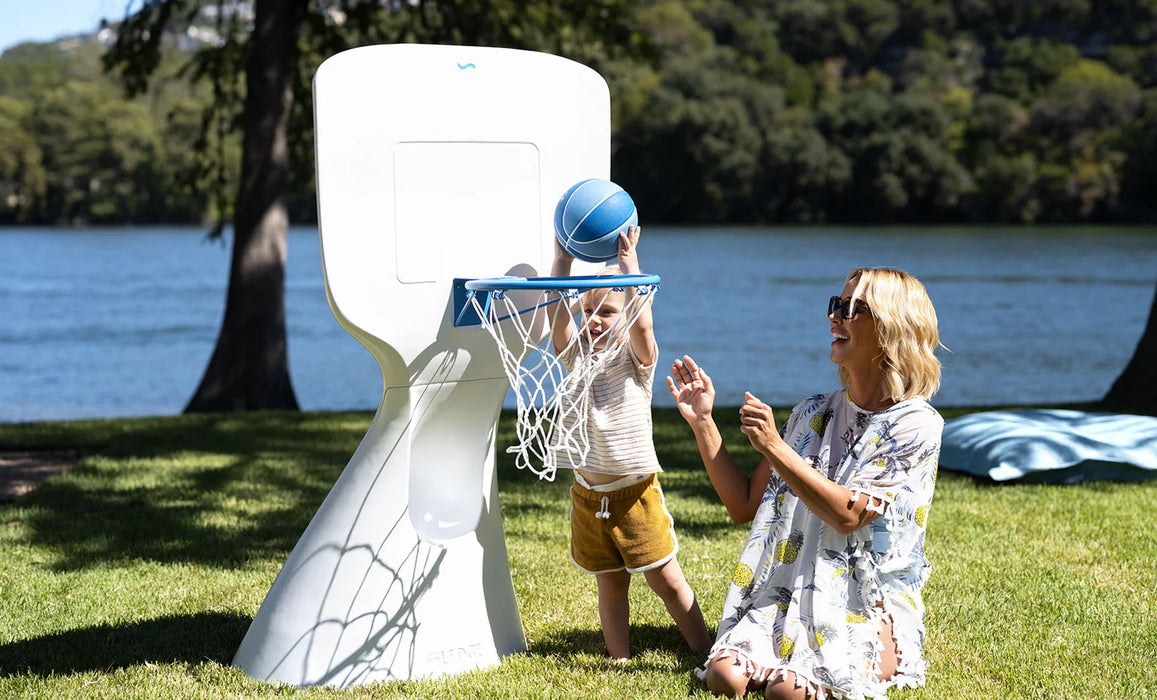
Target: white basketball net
pixel 551 428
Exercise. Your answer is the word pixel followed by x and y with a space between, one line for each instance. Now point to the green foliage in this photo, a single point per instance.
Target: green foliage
pixel 1028 65
pixel 703 130
pixel 900 150
pixel 23 180
pixel 1081 118
pixel 99 154
pixel 75 150
pixel 1137 62
pixel 915 111
pixel 802 174
pixel 1086 96
pixel 722 111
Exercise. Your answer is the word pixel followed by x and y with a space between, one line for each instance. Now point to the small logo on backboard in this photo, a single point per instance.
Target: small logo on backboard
pixel 464 66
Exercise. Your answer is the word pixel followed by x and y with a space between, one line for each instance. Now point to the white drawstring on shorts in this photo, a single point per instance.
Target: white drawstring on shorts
pixel 605 512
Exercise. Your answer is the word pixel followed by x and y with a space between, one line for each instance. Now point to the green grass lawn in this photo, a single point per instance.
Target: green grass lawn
pixel 137 573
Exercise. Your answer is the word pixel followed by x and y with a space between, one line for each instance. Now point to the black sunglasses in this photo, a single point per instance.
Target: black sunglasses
pixel 846 308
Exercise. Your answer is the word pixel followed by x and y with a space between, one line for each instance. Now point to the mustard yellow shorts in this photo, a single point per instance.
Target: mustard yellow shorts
pixel 625 529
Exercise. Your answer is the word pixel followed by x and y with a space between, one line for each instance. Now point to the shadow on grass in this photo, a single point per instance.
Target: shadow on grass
pixel 223 489
pixel 584 648
pixel 215 490
pixel 208 636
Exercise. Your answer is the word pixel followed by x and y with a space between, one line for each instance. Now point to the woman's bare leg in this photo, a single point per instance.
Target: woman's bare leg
pixel 726 676
pixel 785 689
pixel 889 656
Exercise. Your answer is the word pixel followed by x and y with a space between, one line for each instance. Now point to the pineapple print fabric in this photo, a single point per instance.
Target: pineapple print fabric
pixel 806 599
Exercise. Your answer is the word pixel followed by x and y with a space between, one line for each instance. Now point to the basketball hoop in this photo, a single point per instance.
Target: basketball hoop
pixel 552 402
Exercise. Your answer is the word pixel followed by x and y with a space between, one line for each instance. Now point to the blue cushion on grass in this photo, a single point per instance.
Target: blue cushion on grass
pixel 1051 446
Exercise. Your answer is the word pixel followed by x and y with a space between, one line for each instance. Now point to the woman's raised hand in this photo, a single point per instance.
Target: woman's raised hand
pixel 692 388
pixel 757 422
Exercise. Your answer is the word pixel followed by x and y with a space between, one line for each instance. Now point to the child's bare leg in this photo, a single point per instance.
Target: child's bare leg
pixel 670 584
pixel 615 612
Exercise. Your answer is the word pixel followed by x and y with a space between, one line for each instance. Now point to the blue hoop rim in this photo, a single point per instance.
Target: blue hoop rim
pixel 498 284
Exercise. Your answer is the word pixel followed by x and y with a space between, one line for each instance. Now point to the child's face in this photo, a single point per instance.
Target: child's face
pixel 602 314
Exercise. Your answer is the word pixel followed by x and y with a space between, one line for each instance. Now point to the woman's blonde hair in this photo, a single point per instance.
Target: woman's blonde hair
pixel 906 328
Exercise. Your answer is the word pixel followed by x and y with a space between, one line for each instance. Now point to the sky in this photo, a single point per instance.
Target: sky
pixel 44 20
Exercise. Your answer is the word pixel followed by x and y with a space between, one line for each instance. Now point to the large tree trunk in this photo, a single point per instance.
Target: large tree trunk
pixel 1136 388
pixel 249 369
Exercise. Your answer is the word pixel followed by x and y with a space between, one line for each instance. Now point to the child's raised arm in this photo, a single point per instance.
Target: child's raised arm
pixel 643 330
pixel 562 328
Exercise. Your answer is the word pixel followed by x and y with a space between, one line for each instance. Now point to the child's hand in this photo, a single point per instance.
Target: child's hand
pixel 561 253
pixel 628 245
pixel 562 260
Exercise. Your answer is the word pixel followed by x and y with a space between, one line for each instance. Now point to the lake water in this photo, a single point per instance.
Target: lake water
pixel 121 322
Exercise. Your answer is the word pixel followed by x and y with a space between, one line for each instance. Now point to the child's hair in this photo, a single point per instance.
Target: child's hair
pixel 906 328
pixel 604 272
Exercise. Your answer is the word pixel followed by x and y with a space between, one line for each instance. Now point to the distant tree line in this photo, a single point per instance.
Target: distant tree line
pixel 73 149
pixel 723 112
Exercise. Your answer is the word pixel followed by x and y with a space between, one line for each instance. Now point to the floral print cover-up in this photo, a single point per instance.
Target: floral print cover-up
pixel 808 600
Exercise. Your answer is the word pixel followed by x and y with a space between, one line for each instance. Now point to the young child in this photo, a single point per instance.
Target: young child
pixel 619 523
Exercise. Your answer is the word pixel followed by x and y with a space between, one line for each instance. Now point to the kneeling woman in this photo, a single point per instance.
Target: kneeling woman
pixel 825 600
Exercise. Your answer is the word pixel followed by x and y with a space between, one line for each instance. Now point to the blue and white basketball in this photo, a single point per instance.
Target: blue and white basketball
pixel 589 218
